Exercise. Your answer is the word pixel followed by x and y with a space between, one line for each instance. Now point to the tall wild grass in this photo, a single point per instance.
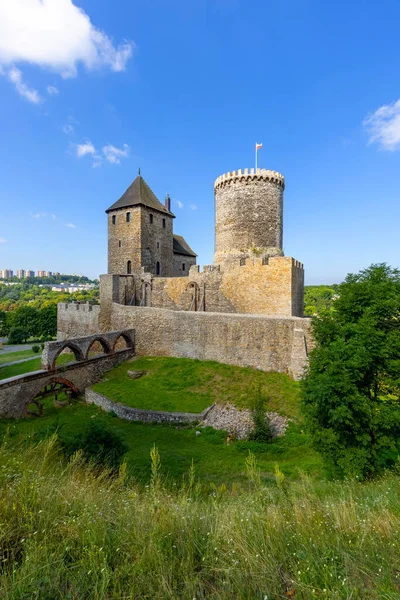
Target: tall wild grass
pixel 76 531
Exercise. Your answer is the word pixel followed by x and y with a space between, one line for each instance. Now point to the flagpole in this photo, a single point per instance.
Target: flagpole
pixel 256 157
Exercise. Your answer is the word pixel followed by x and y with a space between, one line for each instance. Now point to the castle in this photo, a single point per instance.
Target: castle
pixel 245 309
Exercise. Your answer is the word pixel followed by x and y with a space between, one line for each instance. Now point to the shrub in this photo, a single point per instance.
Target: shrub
pixel 262 428
pixel 35 348
pixel 99 442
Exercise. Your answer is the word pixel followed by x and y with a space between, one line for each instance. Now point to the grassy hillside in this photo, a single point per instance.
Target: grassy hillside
pixel 172 384
pixel 72 531
pixel 183 384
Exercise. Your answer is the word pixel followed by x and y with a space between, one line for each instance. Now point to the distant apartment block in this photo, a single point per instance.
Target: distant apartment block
pixel 45 274
pixel 21 273
pixel 6 273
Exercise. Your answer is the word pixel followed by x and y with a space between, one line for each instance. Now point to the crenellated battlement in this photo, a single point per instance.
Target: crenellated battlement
pixel 247 175
pixel 73 306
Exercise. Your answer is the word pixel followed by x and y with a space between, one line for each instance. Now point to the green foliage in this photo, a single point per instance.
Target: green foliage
pixel 3 316
pixel 34 306
pixel 35 348
pixel 319 299
pixel 262 429
pixel 99 442
pixel 18 335
pixel 351 396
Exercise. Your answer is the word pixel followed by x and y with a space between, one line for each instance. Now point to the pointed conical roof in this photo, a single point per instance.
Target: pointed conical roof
pixel 139 193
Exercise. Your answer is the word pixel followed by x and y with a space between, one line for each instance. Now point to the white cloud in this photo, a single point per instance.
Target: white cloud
pixel 52 90
pixel 113 154
pixel 2 240
pixel 85 148
pixel 15 76
pixel 58 35
pixel 70 225
pixel 383 126
pixel 179 203
pixel 44 215
pixel 193 207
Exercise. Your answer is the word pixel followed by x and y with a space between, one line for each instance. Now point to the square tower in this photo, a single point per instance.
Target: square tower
pixel 140 233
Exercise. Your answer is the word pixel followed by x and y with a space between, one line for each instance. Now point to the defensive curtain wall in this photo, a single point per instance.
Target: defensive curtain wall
pixel 275 343
pixel 16 393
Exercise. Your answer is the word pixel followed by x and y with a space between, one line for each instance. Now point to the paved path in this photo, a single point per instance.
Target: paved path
pixel 15 348
pixel 16 362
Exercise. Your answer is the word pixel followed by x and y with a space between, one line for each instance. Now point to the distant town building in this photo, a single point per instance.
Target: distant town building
pixel 56 274
pixel 48 274
pixel 41 273
pixel 6 273
pixel 72 288
pixel 20 273
pixel 29 273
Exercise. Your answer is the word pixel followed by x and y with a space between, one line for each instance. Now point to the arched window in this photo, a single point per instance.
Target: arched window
pixel 151 218
pixel 113 219
pixel 129 267
pixel 158 268
pixel 128 217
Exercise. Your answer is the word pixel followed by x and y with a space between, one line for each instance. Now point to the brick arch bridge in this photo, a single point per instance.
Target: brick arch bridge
pixel 16 393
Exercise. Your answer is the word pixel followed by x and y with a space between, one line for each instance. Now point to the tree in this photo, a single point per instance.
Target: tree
pixel 18 335
pixel 26 317
pixel 351 395
pixel 47 321
pixel 3 316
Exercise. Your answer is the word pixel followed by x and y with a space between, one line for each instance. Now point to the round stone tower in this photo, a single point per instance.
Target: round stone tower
pixel 248 215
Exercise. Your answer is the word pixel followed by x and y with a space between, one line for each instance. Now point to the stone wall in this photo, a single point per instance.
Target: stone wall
pixel 75 319
pixel 145 416
pixel 248 215
pixel 180 261
pixel 267 343
pixel 156 242
pixel 275 287
pixel 16 393
pixel 124 240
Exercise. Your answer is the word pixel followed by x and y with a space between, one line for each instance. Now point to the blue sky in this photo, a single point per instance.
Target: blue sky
pixel 183 90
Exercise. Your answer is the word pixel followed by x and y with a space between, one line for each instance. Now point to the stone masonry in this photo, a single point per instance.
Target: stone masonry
pixel 248 215
pixel 16 393
pixel 246 309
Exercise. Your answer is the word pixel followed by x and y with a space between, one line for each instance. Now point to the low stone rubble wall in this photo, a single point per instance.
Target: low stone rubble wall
pixel 145 416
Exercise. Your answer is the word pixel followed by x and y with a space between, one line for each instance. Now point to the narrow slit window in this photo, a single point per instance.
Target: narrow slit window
pixel 151 218
pixel 128 217
pixel 163 223
pixel 158 268
pixel 129 267
pixel 183 267
pixel 113 219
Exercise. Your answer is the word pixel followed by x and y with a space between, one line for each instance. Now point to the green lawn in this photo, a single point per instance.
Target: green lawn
pixel 30 365
pixel 19 355
pixel 214 460
pixel 188 385
pixel 182 384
